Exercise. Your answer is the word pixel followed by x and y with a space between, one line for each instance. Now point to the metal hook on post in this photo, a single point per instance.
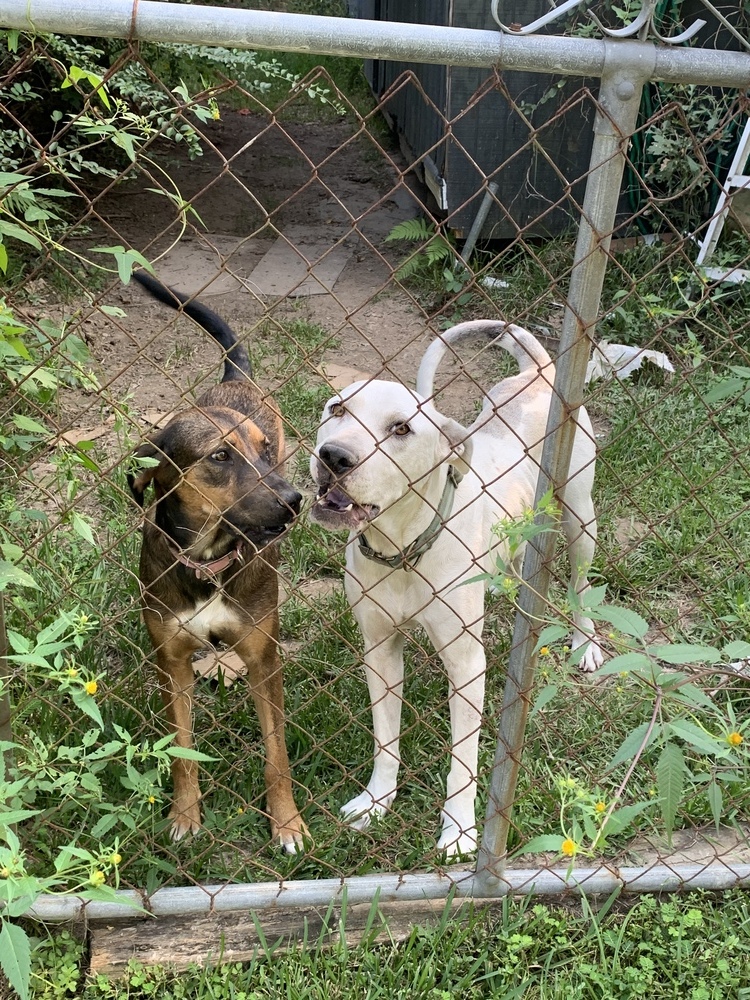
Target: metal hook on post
pixel 641 27
pixel 517 29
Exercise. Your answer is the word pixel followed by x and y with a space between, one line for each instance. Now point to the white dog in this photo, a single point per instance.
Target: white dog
pixel 419 494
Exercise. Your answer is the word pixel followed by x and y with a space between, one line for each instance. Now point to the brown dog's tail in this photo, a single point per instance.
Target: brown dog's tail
pixel 236 361
pixel 524 347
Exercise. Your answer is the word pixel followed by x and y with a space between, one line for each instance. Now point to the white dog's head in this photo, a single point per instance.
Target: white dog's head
pixel 376 441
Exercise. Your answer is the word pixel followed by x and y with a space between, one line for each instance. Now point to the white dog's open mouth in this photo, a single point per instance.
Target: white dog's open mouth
pixel 334 509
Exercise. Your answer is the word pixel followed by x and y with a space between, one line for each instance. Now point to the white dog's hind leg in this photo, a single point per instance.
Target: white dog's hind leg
pixel 384 668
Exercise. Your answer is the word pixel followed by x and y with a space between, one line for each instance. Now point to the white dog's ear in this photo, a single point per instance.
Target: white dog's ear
pixel 460 444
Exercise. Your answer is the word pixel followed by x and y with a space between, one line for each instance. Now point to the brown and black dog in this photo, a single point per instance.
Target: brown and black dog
pixel 209 557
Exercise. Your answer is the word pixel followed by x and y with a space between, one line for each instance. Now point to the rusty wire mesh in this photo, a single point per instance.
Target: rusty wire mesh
pixel 281 226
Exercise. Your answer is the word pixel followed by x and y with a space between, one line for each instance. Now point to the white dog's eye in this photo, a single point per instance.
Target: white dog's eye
pixel 401 429
pixel 336 410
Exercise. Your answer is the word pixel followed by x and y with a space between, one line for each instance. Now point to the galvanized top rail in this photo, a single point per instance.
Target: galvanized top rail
pixel 148 20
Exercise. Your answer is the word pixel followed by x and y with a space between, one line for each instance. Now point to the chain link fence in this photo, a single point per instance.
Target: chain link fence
pixel 307 220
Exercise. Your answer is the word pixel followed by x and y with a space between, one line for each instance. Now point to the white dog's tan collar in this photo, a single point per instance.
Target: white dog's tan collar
pixel 408 557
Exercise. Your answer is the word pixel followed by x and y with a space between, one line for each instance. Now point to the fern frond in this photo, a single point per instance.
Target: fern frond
pixel 411 266
pixel 416 230
pixel 438 250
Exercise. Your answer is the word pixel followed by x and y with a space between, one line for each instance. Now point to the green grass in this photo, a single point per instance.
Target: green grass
pixel 658 461
pixel 694 947
pixel 672 475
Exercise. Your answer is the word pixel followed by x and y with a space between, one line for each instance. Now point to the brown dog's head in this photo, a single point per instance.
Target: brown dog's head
pixel 215 482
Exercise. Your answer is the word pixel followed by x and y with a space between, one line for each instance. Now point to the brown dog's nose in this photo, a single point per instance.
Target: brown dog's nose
pixel 337 460
pixel 291 499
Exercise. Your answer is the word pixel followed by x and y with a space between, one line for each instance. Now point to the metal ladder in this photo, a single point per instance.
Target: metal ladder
pixel 735 181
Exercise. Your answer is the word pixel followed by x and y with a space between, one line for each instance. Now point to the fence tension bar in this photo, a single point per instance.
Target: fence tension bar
pixel 627 67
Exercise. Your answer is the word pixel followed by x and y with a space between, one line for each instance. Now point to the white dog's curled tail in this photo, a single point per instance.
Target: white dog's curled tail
pixel 523 345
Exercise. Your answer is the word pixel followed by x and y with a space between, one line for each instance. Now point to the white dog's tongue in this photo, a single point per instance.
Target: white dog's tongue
pixel 337 499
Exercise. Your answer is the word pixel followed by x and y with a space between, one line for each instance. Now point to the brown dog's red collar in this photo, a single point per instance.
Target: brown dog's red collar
pixel 207 570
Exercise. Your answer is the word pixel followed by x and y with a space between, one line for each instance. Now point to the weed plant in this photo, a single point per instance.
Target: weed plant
pixel 693 947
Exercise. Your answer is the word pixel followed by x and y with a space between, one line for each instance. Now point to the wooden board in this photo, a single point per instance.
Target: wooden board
pixel 177 942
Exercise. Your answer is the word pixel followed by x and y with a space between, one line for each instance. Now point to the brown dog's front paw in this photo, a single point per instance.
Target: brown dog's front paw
pixel 184 821
pixel 291 836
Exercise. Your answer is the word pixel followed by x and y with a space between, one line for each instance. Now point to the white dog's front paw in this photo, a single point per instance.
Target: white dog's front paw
pixel 457 842
pixel 360 811
pixel 592 659
pixel 593 656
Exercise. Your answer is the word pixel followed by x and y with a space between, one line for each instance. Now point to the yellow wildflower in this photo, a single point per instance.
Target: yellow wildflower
pixel 97 878
pixel 569 847
pixel 90 687
pixel 734 739
pixel 72 672
pixel 544 651
pixel 600 806
pixel 115 859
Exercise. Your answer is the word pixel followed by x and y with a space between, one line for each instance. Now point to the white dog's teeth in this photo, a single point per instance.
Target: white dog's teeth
pixel 345 509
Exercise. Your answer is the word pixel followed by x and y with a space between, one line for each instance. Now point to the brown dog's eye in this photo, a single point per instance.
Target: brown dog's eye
pixel 401 430
pixel 221 456
pixel 337 409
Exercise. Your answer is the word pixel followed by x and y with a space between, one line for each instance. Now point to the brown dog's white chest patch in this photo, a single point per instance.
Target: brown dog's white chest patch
pixel 211 619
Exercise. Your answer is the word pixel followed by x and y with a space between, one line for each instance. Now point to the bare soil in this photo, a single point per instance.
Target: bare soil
pixel 312 184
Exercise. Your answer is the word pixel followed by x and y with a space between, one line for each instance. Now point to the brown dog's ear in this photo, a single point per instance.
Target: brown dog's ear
pixel 460 444
pixel 148 457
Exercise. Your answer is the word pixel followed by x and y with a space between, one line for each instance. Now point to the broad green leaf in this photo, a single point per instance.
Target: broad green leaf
pixel 27 424
pixel 11 575
pixel 19 643
pixel 632 744
pixel 543 698
pixel 125 260
pixel 737 650
pixel 9 178
pixel 727 387
pixel 187 754
pixel 17 233
pixel 670 781
pixel 684 652
pixel 103 825
pixel 3 259
pixel 697 737
pixel 87 705
pixel 624 663
pixel 547 842
pixel 622 818
pixel 550 634
pixel 623 619
pixel 595 596
pixel 82 527
pixel 693 695
pixel 15 957
pixel 10 816
pixel 716 801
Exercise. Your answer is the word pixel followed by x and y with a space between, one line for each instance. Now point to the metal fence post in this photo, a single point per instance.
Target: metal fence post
pixel 628 65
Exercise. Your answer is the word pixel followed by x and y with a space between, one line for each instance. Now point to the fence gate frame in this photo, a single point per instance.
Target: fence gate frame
pixel 624 66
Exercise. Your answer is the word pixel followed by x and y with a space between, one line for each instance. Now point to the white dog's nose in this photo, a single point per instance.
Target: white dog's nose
pixel 337 460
